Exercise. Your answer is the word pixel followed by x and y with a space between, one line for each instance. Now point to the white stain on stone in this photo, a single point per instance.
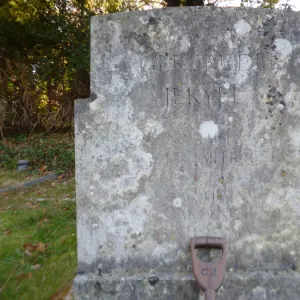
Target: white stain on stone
pixel 292 197
pixel 120 169
pixel 230 119
pixel 295 136
pixel 120 223
pixel 96 177
pixel 144 20
pixel 177 202
pixel 154 128
pixel 242 77
pixel 184 43
pixel 245 61
pixel 259 292
pixel 226 85
pixel 162 33
pixel 259 246
pixel 284 47
pixel 208 129
pixel 137 166
pixel 242 27
pixel 281 106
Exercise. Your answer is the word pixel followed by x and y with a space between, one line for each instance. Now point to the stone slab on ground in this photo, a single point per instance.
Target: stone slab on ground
pixel 29 183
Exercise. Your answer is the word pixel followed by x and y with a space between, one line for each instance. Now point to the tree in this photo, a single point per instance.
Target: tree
pixel 44 55
pixel 44 61
pixel 171 3
pixel 259 3
pixel 3 2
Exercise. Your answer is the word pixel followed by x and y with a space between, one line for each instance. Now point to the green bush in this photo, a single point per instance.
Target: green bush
pixel 7 155
pixel 46 152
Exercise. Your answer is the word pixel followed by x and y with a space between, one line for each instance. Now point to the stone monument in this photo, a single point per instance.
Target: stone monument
pixel 192 129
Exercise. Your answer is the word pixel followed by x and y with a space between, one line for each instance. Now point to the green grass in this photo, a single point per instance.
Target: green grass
pixel 27 218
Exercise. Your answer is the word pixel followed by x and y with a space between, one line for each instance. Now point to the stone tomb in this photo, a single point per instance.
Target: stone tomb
pixel 192 129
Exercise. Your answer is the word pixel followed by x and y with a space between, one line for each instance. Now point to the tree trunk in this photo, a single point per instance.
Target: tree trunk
pixel 194 3
pixel 3 2
pixel 172 3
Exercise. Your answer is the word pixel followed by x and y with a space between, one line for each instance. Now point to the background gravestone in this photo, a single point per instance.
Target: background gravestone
pixel 192 129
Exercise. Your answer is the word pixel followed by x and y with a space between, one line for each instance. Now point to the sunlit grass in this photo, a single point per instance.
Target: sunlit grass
pixel 44 216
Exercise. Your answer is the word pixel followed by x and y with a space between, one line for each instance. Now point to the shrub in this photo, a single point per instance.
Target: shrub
pixel 46 152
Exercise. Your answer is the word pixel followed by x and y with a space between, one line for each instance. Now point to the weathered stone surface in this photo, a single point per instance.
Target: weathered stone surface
pixel 237 286
pixel 192 129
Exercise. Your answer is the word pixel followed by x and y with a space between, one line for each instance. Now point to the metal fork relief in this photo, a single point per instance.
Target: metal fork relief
pixel 209 275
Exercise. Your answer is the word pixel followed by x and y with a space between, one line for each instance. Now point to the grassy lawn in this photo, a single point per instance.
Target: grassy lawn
pixel 37 238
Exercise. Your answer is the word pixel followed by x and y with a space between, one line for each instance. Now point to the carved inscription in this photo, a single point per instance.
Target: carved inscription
pixel 189 157
pixel 199 95
pixel 205 63
pixel 210 157
pixel 191 88
pixel 209 272
pixel 222 217
pixel 199 62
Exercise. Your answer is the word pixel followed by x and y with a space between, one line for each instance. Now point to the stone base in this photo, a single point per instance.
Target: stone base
pixel 236 286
